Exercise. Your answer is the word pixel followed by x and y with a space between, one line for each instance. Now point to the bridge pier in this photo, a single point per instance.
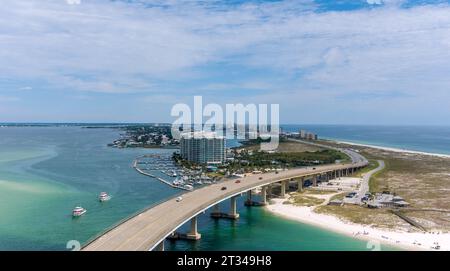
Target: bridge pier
pixel 314 179
pixel 216 211
pixel 283 189
pixel 233 210
pixel 193 233
pixel 264 195
pixel 216 208
pixel 159 247
pixel 249 200
pixel 300 184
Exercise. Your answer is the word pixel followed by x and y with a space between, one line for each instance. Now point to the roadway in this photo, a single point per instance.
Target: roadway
pixel 355 156
pixel 364 187
pixel 149 228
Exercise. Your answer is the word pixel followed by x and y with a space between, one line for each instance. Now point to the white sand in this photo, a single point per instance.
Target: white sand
pixel 395 149
pixel 405 240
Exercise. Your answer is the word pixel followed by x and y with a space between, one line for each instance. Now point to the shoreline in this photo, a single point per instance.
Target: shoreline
pixel 402 240
pixel 392 149
pixel 391 237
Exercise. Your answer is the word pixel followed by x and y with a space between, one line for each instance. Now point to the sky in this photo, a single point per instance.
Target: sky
pixel 324 62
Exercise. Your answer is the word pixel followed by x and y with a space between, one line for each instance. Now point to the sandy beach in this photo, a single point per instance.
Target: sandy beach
pixel 403 240
pixel 395 149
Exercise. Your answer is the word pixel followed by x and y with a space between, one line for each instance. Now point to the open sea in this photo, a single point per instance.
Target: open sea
pixel 432 139
pixel 46 171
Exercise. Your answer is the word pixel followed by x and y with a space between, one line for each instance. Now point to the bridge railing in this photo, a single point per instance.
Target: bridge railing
pixel 131 216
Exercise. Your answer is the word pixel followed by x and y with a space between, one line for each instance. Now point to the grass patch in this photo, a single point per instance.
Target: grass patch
pixel 317 192
pixel 288 146
pixel 303 200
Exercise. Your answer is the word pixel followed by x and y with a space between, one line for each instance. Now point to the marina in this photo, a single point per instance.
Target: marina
pixel 155 166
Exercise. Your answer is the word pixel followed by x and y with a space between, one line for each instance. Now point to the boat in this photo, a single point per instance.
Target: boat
pixel 78 211
pixel 188 187
pixel 178 182
pixel 104 196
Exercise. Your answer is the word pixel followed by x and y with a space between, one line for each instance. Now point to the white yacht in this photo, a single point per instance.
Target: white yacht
pixel 78 211
pixel 104 196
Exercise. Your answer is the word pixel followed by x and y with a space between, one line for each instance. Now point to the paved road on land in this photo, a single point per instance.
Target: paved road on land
pixel 355 156
pixel 364 187
pixel 147 229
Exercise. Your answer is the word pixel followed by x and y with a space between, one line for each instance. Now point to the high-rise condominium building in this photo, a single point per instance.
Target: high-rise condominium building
pixel 203 147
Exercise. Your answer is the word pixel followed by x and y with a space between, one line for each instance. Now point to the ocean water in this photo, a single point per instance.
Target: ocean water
pixel 46 171
pixel 432 139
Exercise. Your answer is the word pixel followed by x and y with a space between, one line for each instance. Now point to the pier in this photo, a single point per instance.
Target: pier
pixel 135 166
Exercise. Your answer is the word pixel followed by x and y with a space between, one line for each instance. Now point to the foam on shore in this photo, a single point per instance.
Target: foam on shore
pixel 395 149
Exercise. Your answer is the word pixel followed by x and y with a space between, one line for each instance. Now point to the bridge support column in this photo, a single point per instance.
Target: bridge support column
pixel 283 189
pixel 159 247
pixel 249 196
pixel 193 233
pixel 233 208
pixel 314 179
pixel 300 184
pixel 216 208
pixel 216 211
pixel 264 195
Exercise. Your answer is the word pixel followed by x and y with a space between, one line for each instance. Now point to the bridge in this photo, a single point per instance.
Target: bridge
pixel 148 229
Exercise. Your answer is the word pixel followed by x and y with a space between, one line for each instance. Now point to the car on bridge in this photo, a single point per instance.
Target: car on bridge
pixel 223 188
pixel 237 181
pixel 179 199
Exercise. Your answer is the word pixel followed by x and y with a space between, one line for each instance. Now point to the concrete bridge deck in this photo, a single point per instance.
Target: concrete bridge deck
pixel 148 229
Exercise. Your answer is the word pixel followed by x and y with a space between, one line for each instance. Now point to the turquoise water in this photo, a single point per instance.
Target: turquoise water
pixel 433 139
pixel 46 172
pixel 260 230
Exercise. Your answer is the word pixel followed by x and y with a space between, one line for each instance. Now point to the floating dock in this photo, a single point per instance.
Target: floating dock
pixel 135 166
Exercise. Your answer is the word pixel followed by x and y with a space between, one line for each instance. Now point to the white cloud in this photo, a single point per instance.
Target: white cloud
pixel 334 56
pixel 120 47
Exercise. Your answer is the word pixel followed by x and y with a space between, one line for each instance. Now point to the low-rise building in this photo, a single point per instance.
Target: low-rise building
pixel 387 200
